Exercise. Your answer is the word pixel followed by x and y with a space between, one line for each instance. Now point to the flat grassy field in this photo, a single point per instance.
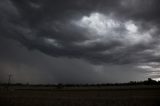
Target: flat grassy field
pixel 81 96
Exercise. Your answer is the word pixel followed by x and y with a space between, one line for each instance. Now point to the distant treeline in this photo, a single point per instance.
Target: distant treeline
pixel 146 82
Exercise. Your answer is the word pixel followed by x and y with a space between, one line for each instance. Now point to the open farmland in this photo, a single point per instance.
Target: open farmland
pixel 81 96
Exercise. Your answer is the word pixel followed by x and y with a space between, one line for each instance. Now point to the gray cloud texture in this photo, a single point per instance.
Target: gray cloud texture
pixel 115 32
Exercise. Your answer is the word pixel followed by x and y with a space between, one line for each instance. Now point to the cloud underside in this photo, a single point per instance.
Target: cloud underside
pixel 93 31
pixel 99 31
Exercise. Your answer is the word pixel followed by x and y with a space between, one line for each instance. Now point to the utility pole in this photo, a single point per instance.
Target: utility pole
pixel 9 81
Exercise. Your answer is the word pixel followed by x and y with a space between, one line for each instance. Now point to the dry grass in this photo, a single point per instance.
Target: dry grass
pixel 81 97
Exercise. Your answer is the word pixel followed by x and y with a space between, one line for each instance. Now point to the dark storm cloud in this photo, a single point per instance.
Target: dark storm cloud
pixel 56 28
pixel 144 10
pixel 36 67
pixel 48 41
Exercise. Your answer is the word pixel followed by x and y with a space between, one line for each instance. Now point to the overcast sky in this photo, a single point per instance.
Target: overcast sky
pixel 79 41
